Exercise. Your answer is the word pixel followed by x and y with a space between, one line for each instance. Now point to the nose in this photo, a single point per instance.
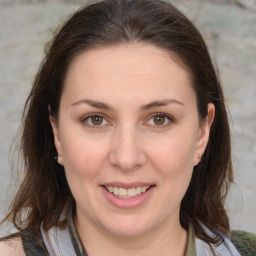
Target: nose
pixel 127 152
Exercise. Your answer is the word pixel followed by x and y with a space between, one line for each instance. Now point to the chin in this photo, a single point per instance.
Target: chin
pixel 127 227
pixel 127 232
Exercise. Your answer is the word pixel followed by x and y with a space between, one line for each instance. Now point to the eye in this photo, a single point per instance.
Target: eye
pixel 95 120
pixel 160 119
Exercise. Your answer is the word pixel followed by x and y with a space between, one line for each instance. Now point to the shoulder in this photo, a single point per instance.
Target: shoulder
pixel 12 247
pixel 244 242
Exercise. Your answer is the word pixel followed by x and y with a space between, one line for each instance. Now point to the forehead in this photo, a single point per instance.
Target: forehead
pixel 127 70
pixel 120 57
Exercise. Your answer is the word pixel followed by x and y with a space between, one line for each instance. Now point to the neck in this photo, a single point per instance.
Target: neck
pixel 166 240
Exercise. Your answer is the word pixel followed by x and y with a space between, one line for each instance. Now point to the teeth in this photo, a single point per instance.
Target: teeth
pixel 115 191
pixel 127 193
pixel 143 189
pixel 122 192
pixel 131 192
pixel 138 190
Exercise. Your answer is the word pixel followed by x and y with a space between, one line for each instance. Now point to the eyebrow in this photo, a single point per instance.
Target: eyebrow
pixel 161 103
pixel 93 103
pixel 153 104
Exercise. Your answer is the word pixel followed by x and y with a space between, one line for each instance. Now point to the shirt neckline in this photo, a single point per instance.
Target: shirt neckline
pixel 80 250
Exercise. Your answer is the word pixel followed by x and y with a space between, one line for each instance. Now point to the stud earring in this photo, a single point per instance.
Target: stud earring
pixel 57 157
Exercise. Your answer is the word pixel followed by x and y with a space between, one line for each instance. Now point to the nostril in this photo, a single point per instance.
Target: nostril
pixel 127 160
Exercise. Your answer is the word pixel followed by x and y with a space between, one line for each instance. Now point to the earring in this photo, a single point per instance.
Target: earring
pixel 57 158
pixel 199 157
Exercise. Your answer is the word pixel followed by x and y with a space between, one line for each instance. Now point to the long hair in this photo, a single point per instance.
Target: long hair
pixel 44 193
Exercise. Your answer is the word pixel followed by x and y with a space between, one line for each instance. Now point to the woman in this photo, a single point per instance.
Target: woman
pixel 125 141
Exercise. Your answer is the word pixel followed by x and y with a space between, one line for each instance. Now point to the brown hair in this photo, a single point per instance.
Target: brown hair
pixel 44 193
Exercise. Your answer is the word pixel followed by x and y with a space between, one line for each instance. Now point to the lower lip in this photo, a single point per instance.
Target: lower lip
pixel 128 203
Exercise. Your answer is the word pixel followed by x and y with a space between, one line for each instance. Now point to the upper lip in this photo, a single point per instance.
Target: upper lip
pixel 120 184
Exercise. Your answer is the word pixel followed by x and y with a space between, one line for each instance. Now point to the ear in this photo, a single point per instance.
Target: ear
pixel 55 130
pixel 204 133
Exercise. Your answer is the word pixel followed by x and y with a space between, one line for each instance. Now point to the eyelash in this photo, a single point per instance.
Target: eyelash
pixel 93 115
pixel 168 117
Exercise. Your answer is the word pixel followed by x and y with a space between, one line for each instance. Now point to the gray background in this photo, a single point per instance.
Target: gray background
pixel 230 32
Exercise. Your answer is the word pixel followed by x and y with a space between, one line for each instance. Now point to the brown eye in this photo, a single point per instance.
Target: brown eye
pixel 96 120
pixel 159 119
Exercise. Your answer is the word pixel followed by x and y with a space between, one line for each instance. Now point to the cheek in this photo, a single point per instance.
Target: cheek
pixel 174 162
pixel 83 157
pixel 174 156
pixel 83 162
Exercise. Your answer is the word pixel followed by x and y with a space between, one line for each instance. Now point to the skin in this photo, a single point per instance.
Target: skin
pixel 129 146
pixel 12 247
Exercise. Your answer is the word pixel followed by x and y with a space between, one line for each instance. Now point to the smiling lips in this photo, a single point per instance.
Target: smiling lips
pixel 127 196
pixel 127 193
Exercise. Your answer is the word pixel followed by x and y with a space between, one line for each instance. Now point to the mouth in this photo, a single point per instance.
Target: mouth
pixel 128 196
pixel 127 193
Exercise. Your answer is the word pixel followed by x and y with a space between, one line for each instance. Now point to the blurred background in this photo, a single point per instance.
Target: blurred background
pixel 229 28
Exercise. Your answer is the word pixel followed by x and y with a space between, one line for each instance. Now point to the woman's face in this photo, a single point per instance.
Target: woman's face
pixel 129 135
